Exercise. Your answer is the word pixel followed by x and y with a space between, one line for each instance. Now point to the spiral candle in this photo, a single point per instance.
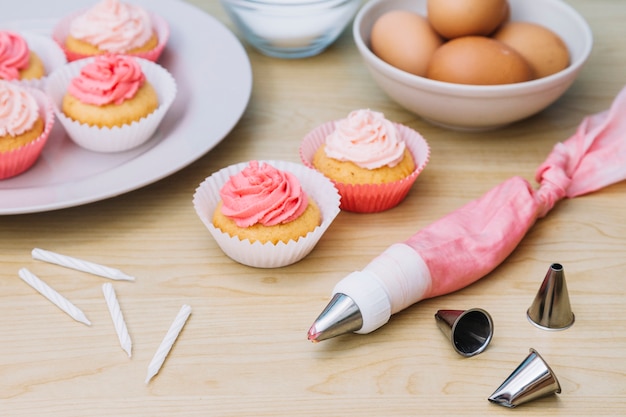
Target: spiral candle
pixel 80 265
pixel 117 317
pixel 168 342
pixel 56 298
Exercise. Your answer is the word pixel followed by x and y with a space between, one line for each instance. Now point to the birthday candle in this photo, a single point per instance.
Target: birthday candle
pixel 80 265
pixel 117 317
pixel 168 342
pixel 56 298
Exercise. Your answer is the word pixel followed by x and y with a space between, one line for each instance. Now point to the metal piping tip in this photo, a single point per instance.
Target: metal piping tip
pixel 551 309
pixel 340 316
pixel 532 379
pixel 469 331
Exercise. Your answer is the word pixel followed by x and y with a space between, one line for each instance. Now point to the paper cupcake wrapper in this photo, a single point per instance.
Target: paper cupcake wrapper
pixel 50 54
pixel 268 255
pixel 118 138
pixel 370 198
pixel 160 26
pixel 21 159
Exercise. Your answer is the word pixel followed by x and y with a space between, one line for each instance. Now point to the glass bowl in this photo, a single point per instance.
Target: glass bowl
pixel 291 28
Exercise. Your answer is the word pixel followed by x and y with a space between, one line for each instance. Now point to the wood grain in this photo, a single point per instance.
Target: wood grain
pixel 244 351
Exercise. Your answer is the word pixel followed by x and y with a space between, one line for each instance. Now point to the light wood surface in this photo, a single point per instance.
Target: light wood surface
pixel 244 350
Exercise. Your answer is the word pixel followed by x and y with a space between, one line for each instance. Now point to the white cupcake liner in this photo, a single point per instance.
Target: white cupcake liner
pixel 50 54
pixel 159 25
pixel 19 160
pixel 268 255
pixel 370 198
pixel 118 138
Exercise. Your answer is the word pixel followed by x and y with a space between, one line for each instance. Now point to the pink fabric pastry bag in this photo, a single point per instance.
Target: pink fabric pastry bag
pixel 470 242
pixel 465 245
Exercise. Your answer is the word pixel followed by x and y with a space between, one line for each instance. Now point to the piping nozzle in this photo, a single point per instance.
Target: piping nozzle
pixel 532 379
pixel 469 331
pixel 340 316
pixel 551 309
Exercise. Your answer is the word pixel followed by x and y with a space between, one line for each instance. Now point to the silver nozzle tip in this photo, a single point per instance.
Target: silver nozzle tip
pixel 532 379
pixel 551 309
pixel 340 316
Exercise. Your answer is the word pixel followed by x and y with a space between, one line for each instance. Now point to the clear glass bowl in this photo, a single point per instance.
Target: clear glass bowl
pixel 291 28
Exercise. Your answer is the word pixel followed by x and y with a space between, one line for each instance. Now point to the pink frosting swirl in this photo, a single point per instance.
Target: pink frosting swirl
pixel 107 79
pixel 18 109
pixel 263 194
pixel 14 55
pixel 113 26
pixel 367 139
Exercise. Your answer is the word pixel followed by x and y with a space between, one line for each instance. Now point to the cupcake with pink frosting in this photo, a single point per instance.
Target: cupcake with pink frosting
pixel 27 58
pixel 111 103
pixel 26 119
pixel 372 161
pixel 266 214
pixel 112 26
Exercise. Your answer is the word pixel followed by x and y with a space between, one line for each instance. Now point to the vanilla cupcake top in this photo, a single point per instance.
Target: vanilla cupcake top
pixel 18 110
pixel 14 55
pixel 113 26
pixel 262 194
pixel 109 78
pixel 367 139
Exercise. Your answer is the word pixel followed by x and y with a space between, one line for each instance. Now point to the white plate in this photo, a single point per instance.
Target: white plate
pixel 214 80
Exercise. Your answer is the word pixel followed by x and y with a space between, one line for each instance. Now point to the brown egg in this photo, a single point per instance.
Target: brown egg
pixel 405 40
pixel 478 60
pixel 544 50
pixel 455 18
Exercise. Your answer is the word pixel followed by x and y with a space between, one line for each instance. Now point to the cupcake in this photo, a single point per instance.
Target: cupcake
pixel 265 204
pixel 372 161
pixel 111 103
pixel 112 26
pixel 26 119
pixel 266 214
pixel 27 58
pixel 110 91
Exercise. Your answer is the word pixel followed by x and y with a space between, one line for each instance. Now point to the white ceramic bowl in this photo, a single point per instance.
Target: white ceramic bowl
pixel 478 107
pixel 291 28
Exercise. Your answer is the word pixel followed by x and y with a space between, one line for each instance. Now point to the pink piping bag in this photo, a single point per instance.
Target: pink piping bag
pixel 467 244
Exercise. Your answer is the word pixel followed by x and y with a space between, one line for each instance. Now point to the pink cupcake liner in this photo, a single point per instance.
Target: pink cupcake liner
pixel 370 198
pixel 268 255
pixel 118 138
pixel 50 54
pixel 19 160
pixel 160 26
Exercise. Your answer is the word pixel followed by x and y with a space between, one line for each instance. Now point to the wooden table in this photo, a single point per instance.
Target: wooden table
pixel 244 350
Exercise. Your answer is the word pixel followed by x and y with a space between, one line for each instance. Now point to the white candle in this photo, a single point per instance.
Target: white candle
pixel 80 265
pixel 56 298
pixel 168 342
pixel 117 317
